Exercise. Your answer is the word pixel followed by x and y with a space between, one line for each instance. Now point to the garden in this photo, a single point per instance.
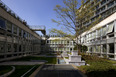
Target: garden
pixel 20 70
pixel 98 67
pixel 50 60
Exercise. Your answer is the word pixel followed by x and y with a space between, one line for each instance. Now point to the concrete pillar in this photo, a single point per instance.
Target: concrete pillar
pixel 5 50
pixel 5 46
pixel 12 44
pixel 115 40
pixel 107 46
pixel 101 50
pixel 114 51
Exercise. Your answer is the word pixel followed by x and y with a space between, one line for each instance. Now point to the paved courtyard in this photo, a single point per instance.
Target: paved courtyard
pixel 21 63
pixel 59 71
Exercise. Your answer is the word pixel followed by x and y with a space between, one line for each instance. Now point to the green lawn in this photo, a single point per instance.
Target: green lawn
pixel 51 55
pixel 51 60
pixel 99 67
pixel 5 69
pixel 21 69
pixel 67 57
pixel 28 74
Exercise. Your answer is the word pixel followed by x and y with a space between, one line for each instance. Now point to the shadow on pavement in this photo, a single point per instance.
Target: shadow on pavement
pixel 59 71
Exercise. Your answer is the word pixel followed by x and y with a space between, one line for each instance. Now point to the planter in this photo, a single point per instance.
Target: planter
pixel 7 74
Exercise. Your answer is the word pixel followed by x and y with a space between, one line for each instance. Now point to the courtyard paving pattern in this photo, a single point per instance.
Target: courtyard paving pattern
pixel 21 63
pixel 59 71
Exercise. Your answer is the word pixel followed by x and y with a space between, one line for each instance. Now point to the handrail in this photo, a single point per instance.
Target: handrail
pixel 42 27
pixel 11 12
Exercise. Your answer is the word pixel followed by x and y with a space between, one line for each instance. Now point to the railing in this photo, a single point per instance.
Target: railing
pixel 35 27
pixel 11 12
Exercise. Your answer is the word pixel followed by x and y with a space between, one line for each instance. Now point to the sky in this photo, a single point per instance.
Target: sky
pixel 35 12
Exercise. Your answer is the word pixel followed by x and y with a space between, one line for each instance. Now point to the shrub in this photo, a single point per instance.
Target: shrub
pixel 99 67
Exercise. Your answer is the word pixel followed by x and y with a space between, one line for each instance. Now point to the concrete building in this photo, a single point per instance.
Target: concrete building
pixel 16 38
pixel 57 43
pixel 101 39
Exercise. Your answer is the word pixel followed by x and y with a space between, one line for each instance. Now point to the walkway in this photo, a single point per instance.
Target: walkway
pixel 59 71
pixel 21 63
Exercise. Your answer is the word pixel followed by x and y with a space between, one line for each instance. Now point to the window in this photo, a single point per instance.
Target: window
pixel 99 33
pixel 47 41
pixel 110 27
pixel 97 6
pixel 94 34
pixel 98 48
pixel 114 9
pixel 110 4
pixel 9 26
pixel 20 32
pixel 2 47
pixel 94 48
pixel 20 48
pixel 97 11
pixel 108 12
pixel 98 0
pixel 2 24
pixel 14 29
pixel 104 30
pixel 104 48
pixel 24 34
pixel 103 2
pixel 9 47
pixel 15 47
pixel 103 8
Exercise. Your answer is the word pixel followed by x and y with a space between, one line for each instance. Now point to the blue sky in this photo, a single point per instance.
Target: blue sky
pixel 35 12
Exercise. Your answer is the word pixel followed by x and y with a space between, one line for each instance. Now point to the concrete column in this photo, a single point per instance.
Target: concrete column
pixel 114 51
pixel 107 46
pixel 115 40
pixel 5 46
pixel 5 50
pixel 101 50
pixel 12 44
pixel 115 28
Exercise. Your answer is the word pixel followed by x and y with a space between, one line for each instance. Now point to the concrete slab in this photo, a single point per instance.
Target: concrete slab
pixel 59 71
pixel 21 63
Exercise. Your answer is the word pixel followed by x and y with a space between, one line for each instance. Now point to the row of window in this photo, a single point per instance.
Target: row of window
pixel 104 7
pixel 98 33
pixel 104 13
pixel 60 45
pixel 13 29
pixel 60 49
pixel 104 48
pixel 16 48
pixel 59 42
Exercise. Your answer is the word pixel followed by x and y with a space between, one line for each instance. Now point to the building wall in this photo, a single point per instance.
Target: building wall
pixel 55 44
pixel 103 8
pixel 16 38
pixel 101 39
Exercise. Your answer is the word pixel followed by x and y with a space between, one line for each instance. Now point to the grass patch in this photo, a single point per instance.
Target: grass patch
pixel 5 69
pixel 51 55
pixel 99 67
pixel 51 60
pixel 28 74
pixel 21 69
pixel 67 57
pixel 69 53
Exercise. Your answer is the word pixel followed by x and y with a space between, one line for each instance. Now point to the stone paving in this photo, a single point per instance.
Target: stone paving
pixel 21 63
pixel 59 71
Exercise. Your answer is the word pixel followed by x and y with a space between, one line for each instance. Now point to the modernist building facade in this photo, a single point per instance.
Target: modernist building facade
pixel 101 39
pixel 58 44
pixel 16 38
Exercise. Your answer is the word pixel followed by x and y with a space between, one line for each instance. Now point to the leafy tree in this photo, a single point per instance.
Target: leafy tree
pixel 73 18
